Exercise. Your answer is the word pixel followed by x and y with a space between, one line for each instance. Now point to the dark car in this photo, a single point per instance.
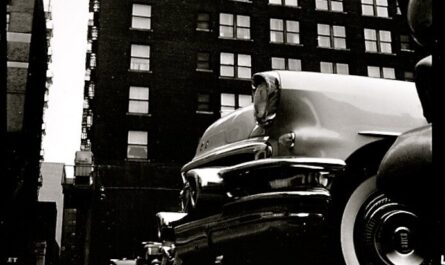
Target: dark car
pixel 269 182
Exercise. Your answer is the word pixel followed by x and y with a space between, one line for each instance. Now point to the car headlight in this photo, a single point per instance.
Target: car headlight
pixel 266 97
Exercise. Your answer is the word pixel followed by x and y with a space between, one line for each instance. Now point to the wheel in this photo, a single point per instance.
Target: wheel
pixel 377 231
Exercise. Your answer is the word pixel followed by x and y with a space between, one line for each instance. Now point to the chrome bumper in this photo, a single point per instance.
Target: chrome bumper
pixel 266 218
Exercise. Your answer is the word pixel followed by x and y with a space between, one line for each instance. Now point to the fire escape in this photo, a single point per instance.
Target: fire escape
pixel 90 74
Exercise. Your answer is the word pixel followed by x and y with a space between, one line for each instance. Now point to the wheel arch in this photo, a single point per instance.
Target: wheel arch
pixel 361 164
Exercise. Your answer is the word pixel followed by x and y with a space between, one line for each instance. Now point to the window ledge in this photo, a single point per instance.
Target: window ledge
pixel 138 114
pixel 332 11
pixel 408 51
pixel 140 71
pixel 205 112
pixel 204 70
pixel 334 49
pixel 296 7
pixel 289 44
pixel 234 78
pixel 139 160
pixel 203 30
pixel 227 38
pixel 139 29
pixel 381 53
pixel 388 18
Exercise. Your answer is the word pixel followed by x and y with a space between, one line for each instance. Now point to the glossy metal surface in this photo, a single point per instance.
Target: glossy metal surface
pixel 304 162
pixel 254 146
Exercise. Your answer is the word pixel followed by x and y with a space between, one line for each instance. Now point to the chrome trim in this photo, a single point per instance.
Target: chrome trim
pixel 253 146
pixel 303 162
pixel 379 133
pixel 186 240
pixel 166 218
pixel 308 193
pixel 207 176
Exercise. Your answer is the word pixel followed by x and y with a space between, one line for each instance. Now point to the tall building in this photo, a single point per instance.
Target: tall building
pixel 26 226
pixel 159 72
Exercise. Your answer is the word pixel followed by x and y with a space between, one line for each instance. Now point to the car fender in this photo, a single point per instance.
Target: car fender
pixel 406 171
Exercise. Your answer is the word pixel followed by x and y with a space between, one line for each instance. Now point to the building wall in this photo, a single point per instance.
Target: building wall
pixel 24 88
pixel 134 189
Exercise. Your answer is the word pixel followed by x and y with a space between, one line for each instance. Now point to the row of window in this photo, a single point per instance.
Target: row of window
pixel 288 32
pixel 138 101
pixel 328 36
pixel 377 8
pixel 237 65
pixel 142 13
pixel 235 26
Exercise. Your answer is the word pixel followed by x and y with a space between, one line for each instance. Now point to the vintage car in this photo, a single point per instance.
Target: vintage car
pixel 269 182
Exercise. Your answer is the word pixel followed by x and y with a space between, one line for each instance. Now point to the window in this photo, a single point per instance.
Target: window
pixel 87 74
pixel 203 22
pixel 284 2
pixel 141 16
pixel 231 102
pixel 279 63
pixel 137 144
pixel 91 90
pixel 93 60
pixel 203 61
pixel 140 57
pixel 96 5
pixel 334 68
pixel 398 10
pixel 378 41
pixel 8 20
pixel 86 103
pixel 408 76
pixel 234 26
pixel 203 103
pixel 89 119
pixel 138 100
pixel 331 36
pixel 330 5
pixel 405 43
pixel 381 72
pixel 84 134
pixel 284 31
pixel 235 65
pixel 377 8
pixel 89 46
pixel 94 33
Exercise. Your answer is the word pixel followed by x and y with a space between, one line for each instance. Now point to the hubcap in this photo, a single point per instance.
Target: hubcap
pixel 388 233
